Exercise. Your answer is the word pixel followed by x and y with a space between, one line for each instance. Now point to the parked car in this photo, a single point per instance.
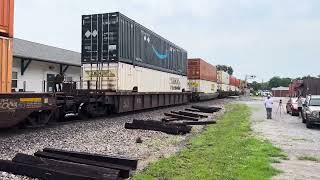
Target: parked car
pixel 266 93
pixel 311 110
pixel 292 107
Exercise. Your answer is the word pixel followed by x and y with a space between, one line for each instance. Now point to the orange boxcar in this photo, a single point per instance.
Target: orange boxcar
pixel 199 69
pixel 6 17
pixel 5 64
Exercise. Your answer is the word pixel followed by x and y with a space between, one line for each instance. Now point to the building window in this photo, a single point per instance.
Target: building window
pixel 14 79
pixel 68 79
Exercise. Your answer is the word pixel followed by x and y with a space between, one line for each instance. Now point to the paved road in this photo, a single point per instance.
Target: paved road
pixel 291 135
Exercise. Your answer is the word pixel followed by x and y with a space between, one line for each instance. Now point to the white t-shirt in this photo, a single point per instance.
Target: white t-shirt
pixel 268 103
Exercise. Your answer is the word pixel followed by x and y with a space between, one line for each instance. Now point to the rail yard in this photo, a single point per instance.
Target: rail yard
pixel 135 105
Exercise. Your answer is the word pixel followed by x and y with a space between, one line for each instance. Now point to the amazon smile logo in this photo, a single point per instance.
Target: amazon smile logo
pixel 159 55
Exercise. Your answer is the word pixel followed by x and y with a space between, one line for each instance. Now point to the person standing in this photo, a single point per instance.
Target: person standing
pixel 268 103
pixel 300 104
pixel 58 80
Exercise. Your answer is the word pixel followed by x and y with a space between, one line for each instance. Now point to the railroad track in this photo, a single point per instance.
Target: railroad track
pixel 74 119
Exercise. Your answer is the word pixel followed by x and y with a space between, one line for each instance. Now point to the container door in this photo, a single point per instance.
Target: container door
pixel 100 38
pixel 89 39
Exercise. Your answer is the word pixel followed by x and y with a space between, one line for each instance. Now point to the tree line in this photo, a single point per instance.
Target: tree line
pixel 274 82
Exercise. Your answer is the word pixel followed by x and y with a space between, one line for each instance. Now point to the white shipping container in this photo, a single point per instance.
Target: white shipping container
pixel 223 87
pixel 232 88
pixel 203 86
pixel 223 77
pixel 125 77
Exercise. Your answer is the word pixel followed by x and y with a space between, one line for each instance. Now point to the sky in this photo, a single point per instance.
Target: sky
pixel 264 38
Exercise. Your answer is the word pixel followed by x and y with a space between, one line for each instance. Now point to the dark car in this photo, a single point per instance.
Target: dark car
pixel 292 107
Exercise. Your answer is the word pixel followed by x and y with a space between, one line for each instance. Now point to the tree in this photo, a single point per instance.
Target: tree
pixel 285 82
pixel 255 85
pixel 225 68
pixel 230 70
pixel 265 86
pixel 222 68
pixel 275 82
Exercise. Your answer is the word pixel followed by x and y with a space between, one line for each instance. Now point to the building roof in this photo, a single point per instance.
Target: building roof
pixel 280 89
pixel 41 52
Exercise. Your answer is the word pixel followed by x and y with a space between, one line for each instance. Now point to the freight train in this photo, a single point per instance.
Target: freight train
pixel 125 68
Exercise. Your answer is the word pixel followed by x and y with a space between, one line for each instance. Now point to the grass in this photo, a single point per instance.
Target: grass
pixel 227 150
pixel 309 158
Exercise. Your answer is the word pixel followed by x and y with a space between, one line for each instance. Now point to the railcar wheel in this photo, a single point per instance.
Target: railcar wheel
pixel 39 118
pixel 83 113
pixel 59 114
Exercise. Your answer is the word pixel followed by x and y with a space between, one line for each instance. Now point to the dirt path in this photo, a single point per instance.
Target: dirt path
pixel 291 135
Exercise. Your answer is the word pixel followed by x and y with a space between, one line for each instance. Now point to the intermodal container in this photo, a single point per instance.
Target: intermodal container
pixel 223 77
pixel 6 17
pixel 238 82
pixel 120 76
pixel 202 86
pixel 113 37
pixel 232 81
pixel 5 64
pixel 243 84
pixel 198 69
pixel 223 87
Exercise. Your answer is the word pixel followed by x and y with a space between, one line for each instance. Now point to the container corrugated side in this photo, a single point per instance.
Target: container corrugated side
pixel 113 37
pixel 232 88
pixel 203 86
pixel 223 77
pixel 232 80
pixel 6 17
pixel 199 69
pixel 223 87
pixel 238 81
pixel 124 77
pixel 5 65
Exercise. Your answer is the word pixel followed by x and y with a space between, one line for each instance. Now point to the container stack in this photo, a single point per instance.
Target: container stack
pixel 232 83
pixel 238 83
pixel 223 81
pixel 6 51
pixel 202 78
pixel 119 54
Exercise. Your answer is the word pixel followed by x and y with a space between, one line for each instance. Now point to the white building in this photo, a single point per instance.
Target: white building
pixel 35 66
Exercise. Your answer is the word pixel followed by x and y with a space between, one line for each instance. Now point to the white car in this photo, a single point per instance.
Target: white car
pixel 266 93
pixel 311 111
